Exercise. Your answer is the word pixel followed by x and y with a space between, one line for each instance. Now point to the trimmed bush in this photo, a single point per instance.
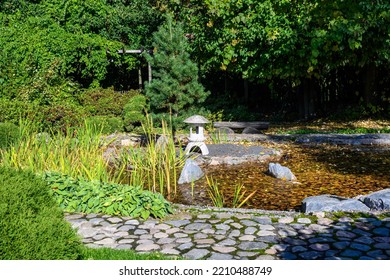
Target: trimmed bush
pixel 9 134
pixel 104 124
pixel 32 227
pixel 134 112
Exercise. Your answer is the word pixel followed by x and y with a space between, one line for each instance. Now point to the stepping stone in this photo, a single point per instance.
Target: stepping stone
pixel 185 246
pixel 196 254
pixel 311 255
pixel 227 242
pixel 249 246
pixel 160 235
pixel 165 240
pixel 320 247
pixel 250 230
pixel 288 256
pixel 341 245
pixel 147 247
pixel 223 249
pixel 248 223
pixel 364 240
pixel 265 258
pixel 351 253
pixel 304 221
pixel 178 223
pixel 263 220
pixel 106 241
pixel 218 256
pixel 346 234
pixel 286 220
pixel 382 231
pixel 114 220
pixel 132 222
pixel 298 249
pixel 170 252
pixel 197 226
pixel 360 247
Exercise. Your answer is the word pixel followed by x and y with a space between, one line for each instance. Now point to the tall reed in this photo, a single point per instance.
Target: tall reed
pixel 77 153
pixel 155 166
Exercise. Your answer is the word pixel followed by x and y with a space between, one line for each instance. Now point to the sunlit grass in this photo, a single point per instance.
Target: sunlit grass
pixel 76 153
pixel 115 254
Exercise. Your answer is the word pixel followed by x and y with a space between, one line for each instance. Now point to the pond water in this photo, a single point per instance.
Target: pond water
pixel 322 169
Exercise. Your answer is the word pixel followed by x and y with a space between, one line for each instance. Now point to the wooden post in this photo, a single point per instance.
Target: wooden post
pixel 139 78
pixel 149 72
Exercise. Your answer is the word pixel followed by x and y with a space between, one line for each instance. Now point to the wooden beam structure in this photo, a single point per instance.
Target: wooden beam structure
pixel 140 84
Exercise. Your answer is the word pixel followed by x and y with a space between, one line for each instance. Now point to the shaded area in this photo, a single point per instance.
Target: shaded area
pixel 336 238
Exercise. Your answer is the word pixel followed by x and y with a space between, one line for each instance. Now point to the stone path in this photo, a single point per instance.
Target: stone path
pixel 224 235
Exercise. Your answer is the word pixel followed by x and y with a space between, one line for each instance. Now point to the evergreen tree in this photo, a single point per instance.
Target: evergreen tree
pixel 175 87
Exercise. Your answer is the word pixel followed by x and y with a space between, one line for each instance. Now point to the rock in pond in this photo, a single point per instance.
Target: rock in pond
pixel 281 172
pixel 191 172
pixel 379 200
pixel 329 203
pixel 251 130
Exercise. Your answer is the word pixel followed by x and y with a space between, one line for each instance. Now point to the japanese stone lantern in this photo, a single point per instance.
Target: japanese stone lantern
pixel 197 138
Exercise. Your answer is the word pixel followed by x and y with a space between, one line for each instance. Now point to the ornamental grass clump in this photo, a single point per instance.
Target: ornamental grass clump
pixel 75 153
pixel 156 165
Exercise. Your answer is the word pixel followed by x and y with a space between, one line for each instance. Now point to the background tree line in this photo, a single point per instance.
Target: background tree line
pixel 285 59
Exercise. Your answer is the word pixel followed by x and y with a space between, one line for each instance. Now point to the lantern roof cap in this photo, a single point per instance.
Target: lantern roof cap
pixel 196 119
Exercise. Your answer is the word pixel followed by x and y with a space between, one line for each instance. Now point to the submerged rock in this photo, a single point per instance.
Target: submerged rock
pixel 281 172
pixel 191 172
pixel 379 200
pixel 251 130
pixel 330 203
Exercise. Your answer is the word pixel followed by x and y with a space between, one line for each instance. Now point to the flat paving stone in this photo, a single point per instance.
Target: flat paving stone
pixel 262 220
pixel 219 256
pixel 360 247
pixel 311 255
pixel 304 221
pixel 197 226
pixel 196 254
pixel 249 246
pixel 147 247
pixel 351 253
pixel 382 231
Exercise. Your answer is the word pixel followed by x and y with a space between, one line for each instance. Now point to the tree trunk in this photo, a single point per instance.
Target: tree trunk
pixel 369 82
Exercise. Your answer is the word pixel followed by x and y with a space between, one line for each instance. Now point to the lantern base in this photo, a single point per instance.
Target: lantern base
pixel 201 145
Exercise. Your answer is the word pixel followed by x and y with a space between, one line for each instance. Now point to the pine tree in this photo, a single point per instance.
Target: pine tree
pixel 175 87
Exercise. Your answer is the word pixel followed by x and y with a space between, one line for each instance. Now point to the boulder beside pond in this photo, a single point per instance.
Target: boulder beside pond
pixel 331 203
pixel 281 172
pixel 379 200
pixel 190 172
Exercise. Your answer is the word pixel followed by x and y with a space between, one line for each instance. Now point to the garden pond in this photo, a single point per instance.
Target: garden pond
pixel 346 171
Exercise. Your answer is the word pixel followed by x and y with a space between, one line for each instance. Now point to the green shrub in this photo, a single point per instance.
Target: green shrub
pixel 31 224
pixel 9 134
pixel 134 112
pixel 104 124
pixel 105 102
pixel 80 195
pixel 61 117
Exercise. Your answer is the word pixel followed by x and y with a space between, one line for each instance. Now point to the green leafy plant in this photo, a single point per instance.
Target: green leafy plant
pixel 84 196
pixel 32 226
